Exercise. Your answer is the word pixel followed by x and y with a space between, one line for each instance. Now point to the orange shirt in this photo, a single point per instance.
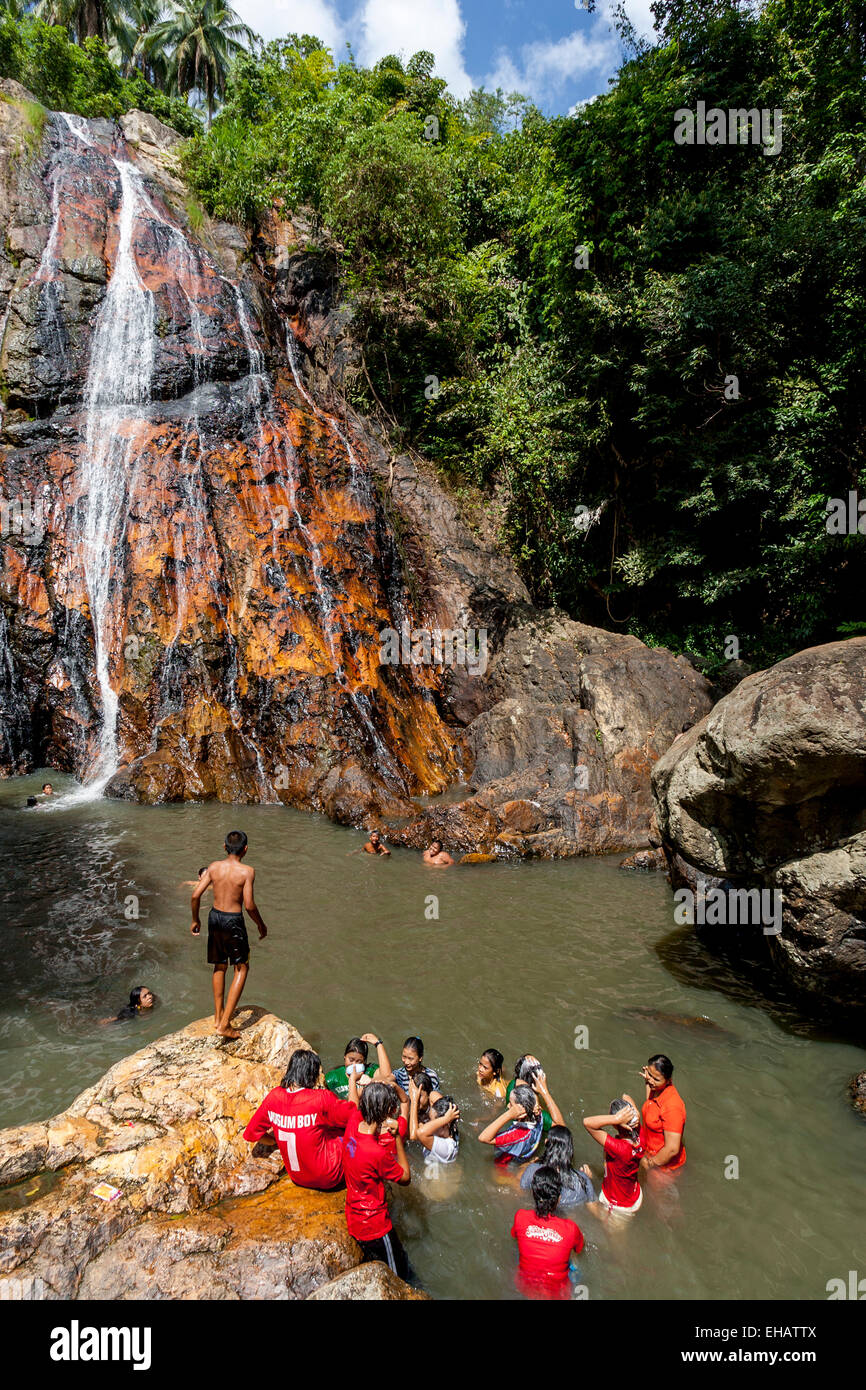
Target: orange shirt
pixel 664 1111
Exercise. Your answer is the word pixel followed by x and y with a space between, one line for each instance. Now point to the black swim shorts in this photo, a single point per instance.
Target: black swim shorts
pixel 227 942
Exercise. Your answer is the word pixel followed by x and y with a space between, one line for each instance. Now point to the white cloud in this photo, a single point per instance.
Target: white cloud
pixel 546 68
pixel 395 26
pixel 274 19
pixel 638 11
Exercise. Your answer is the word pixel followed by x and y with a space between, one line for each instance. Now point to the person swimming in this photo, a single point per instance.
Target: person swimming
pixel 437 856
pixel 140 999
pixel 376 845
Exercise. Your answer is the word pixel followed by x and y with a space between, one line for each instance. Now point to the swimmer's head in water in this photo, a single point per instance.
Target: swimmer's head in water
pixel 302 1073
pixel 526 1068
pixel 355 1051
pixel 31 801
pixel 378 1103
pixel 490 1066
pixel 546 1190
pixel 559 1149
pixel 141 998
pixel 47 788
pixel 413 1052
pixel 441 1107
pixel 374 837
pixel 202 870
pixel 632 1129
pixel 236 842
pixel 436 847
pixel 659 1070
pixel 526 1097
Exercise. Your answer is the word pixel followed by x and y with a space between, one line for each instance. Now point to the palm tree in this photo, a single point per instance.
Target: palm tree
pixel 134 22
pixel 199 38
pixel 85 19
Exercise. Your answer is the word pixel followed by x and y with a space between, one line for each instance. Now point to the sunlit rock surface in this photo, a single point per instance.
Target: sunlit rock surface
pixel 165 1126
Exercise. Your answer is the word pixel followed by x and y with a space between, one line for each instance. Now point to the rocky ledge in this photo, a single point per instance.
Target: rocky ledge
pixel 769 791
pixel 199 1214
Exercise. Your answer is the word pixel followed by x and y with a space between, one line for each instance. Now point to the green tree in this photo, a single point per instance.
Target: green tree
pixel 200 38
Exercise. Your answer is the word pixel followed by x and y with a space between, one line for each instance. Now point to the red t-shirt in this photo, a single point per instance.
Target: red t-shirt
pixel 367 1164
pixel 620 1186
pixel 307 1126
pixel 545 1244
pixel 664 1112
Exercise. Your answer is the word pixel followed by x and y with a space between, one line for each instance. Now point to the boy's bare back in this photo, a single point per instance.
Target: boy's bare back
pixel 229 878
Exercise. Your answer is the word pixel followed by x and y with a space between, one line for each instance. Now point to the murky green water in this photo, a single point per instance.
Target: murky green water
pixel 521 957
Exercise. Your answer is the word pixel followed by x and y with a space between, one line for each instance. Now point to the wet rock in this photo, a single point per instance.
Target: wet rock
pixel 767 791
pixel 369 1281
pixel 857 1092
pixel 646 861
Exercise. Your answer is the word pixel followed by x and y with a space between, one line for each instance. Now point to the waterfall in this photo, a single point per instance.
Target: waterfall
pixel 116 399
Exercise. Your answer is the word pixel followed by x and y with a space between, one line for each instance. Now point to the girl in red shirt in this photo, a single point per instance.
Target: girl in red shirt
pixel 373 1154
pixel 620 1191
pixel 547 1243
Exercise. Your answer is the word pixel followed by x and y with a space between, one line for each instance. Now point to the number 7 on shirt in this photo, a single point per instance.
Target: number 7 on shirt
pixel 287 1137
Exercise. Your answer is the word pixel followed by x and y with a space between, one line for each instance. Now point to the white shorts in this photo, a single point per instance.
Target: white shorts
pixel 616 1210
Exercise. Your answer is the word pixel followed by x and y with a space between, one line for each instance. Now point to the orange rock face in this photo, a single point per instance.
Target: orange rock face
pixel 216 535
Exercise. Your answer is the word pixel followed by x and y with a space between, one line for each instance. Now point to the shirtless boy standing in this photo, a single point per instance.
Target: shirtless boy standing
pixel 227 943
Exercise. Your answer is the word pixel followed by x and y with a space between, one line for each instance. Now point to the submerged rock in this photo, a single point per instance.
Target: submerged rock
pixel 769 791
pixel 164 1126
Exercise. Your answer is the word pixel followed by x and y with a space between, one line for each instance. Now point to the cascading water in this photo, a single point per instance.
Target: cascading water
pixel 116 399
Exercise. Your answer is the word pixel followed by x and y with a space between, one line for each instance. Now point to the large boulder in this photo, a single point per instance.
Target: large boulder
pixel 165 1127
pixel 561 755
pixel 769 790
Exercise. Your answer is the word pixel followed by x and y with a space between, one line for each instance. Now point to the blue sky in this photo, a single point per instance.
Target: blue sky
pixel 551 50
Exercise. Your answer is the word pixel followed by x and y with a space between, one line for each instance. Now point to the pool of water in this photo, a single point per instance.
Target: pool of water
pixel 521 957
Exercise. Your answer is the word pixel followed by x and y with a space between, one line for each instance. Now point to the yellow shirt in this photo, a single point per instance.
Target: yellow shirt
pixel 495 1088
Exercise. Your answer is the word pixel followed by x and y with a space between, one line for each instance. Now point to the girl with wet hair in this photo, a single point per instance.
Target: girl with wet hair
pixel 620 1191
pixel 558 1154
pixel 412 1062
pixel 355 1055
pixel 663 1116
pixel 548 1243
pixel 516 1133
pixel 140 1000
pixel 526 1071
pixel 489 1073
pixel 373 1154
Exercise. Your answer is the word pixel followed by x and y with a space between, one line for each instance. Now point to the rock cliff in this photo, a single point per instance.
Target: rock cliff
pixel 203 545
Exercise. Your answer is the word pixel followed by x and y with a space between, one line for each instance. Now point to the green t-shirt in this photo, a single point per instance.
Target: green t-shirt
pixel 546 1117
pixel 338 1082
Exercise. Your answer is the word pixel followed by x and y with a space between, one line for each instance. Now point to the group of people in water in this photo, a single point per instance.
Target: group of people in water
pixel 350 1126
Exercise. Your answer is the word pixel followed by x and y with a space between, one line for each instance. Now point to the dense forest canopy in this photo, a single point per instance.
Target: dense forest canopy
pixel 648 354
